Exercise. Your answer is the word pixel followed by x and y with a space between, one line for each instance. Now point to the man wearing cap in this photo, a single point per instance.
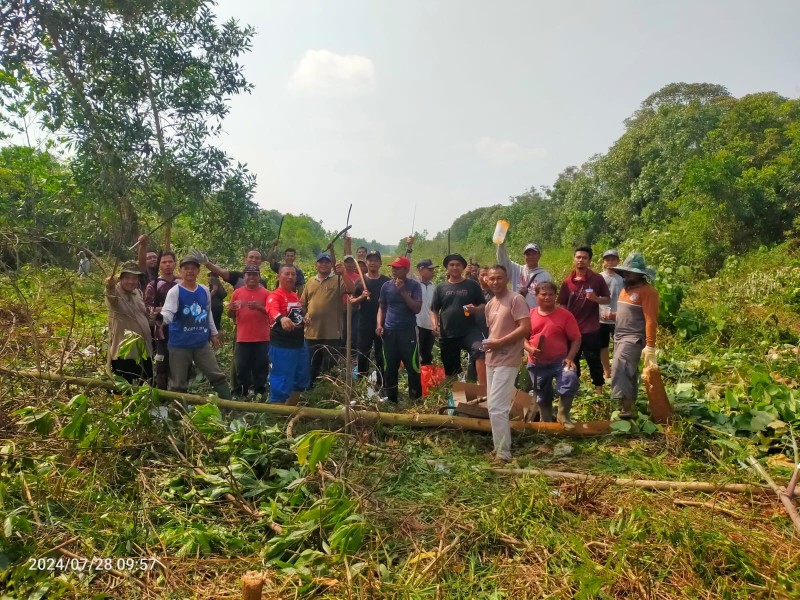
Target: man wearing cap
pixel 455 304
pixel 581 293
pixel 155 294
pixel 287 349
pixel 193 337
pixel 400 301
pixel 127 312
pixel 322 303
pixel 635 330
pixel 368 302
pixel 248 309
pixel 524 278
pixel 425 271
pixel 608 311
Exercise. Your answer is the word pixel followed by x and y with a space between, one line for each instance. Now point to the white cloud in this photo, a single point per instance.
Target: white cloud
pixel 506 152
pixel 322 72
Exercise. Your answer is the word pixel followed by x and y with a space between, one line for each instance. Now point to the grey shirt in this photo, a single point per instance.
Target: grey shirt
pixel 614 283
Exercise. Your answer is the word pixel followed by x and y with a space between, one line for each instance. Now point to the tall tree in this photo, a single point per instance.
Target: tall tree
pixel 141 86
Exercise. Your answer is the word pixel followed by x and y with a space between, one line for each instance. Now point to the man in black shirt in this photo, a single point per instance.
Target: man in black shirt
pixel 368 316
pixel 456 302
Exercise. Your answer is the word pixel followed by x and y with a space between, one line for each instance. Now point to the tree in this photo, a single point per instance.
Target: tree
pixel 140 86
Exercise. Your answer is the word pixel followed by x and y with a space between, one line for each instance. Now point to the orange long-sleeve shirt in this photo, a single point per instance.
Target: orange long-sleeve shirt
pixel 637 314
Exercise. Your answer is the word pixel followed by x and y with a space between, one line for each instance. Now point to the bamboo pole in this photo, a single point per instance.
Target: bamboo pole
pixel 783 496
pixel 421 420
pixel 647 484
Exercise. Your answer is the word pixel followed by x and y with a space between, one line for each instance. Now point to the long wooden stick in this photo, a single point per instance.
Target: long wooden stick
pixel 361 274
pixel 422 420
pixel 647 484
pixel 784 497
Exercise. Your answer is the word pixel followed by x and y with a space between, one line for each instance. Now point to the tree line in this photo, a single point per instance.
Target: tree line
pixel 697 176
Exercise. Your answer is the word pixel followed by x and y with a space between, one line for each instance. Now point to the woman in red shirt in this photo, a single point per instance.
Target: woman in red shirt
pixel 554 343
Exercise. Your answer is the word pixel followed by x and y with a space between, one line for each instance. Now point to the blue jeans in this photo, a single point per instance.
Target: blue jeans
pixel 289 373
pixel 542 377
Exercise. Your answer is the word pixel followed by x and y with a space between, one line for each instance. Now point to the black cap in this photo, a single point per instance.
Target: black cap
pixel 451 257
pixel 373 254
pixel 426 264
pixel 251 269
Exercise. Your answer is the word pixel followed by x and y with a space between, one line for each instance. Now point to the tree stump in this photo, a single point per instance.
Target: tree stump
pixel 252 585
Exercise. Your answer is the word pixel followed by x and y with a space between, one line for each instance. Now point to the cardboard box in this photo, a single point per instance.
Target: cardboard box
pixel 470 400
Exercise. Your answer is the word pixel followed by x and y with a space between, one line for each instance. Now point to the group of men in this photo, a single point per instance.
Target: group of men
pixel 294 334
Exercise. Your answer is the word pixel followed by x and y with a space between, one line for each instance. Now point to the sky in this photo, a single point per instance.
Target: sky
pixel 444 106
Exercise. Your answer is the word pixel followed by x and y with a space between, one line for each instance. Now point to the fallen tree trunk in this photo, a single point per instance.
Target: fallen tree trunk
pixel 647 484
pixel 422 420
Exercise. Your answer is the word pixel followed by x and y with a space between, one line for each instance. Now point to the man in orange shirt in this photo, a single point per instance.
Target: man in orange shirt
pixel 635 330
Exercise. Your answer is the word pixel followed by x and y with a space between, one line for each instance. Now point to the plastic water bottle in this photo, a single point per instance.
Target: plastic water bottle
pixel 500 231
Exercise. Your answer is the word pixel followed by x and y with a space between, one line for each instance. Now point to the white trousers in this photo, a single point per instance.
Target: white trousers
pixel 500 396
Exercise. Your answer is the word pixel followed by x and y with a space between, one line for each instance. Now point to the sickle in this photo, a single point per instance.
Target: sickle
pixel 338 235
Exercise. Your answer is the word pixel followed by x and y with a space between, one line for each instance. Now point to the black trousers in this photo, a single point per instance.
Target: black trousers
pixel 590 351
pixel 133 372
pixel 161 364
pixel 401 345
pixel 426 340
pixel 252 367
pixel 323 355
pixel 367 339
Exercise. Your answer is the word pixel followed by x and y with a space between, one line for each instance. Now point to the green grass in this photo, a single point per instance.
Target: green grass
pixel 381 512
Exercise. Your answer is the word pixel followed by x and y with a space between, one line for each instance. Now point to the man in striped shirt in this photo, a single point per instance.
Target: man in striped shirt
pixel 634 332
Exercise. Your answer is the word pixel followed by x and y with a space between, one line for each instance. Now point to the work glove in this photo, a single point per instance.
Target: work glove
pixel 649 355
pixel 198 256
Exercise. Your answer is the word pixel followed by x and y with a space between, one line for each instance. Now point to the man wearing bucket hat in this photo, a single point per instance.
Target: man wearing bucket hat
pixel 127 312
pixel 524 277
pixel 193 337
pixel 635 330
pixel 455 304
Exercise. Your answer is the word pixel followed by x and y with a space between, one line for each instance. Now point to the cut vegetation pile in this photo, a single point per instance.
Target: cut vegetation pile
pixel 377 511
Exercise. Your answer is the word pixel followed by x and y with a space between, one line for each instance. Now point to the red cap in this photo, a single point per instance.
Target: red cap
pixel 401 261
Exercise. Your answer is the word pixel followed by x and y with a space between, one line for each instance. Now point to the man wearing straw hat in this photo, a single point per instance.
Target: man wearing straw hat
pixel 635 330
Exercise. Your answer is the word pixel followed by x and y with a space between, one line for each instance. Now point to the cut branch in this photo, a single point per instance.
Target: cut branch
pixel 421 420
pixel 646 484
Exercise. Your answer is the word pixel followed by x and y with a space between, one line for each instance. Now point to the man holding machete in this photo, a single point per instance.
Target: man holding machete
pixel 322 304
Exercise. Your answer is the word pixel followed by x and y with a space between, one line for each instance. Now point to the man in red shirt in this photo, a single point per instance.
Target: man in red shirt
pixel 288 351
pixel 248 309
pixel 580 294
pixel 552 347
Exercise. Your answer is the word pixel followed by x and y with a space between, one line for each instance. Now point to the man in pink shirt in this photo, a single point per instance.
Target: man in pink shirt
pixel 509 324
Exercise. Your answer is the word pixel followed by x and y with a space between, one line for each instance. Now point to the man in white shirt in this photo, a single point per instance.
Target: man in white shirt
pixel 524 278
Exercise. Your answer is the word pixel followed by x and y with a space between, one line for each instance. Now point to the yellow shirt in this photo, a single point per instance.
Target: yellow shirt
pixel 322 301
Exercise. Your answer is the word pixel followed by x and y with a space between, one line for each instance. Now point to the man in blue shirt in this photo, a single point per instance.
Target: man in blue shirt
pixel 400 301
pixel 193 337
